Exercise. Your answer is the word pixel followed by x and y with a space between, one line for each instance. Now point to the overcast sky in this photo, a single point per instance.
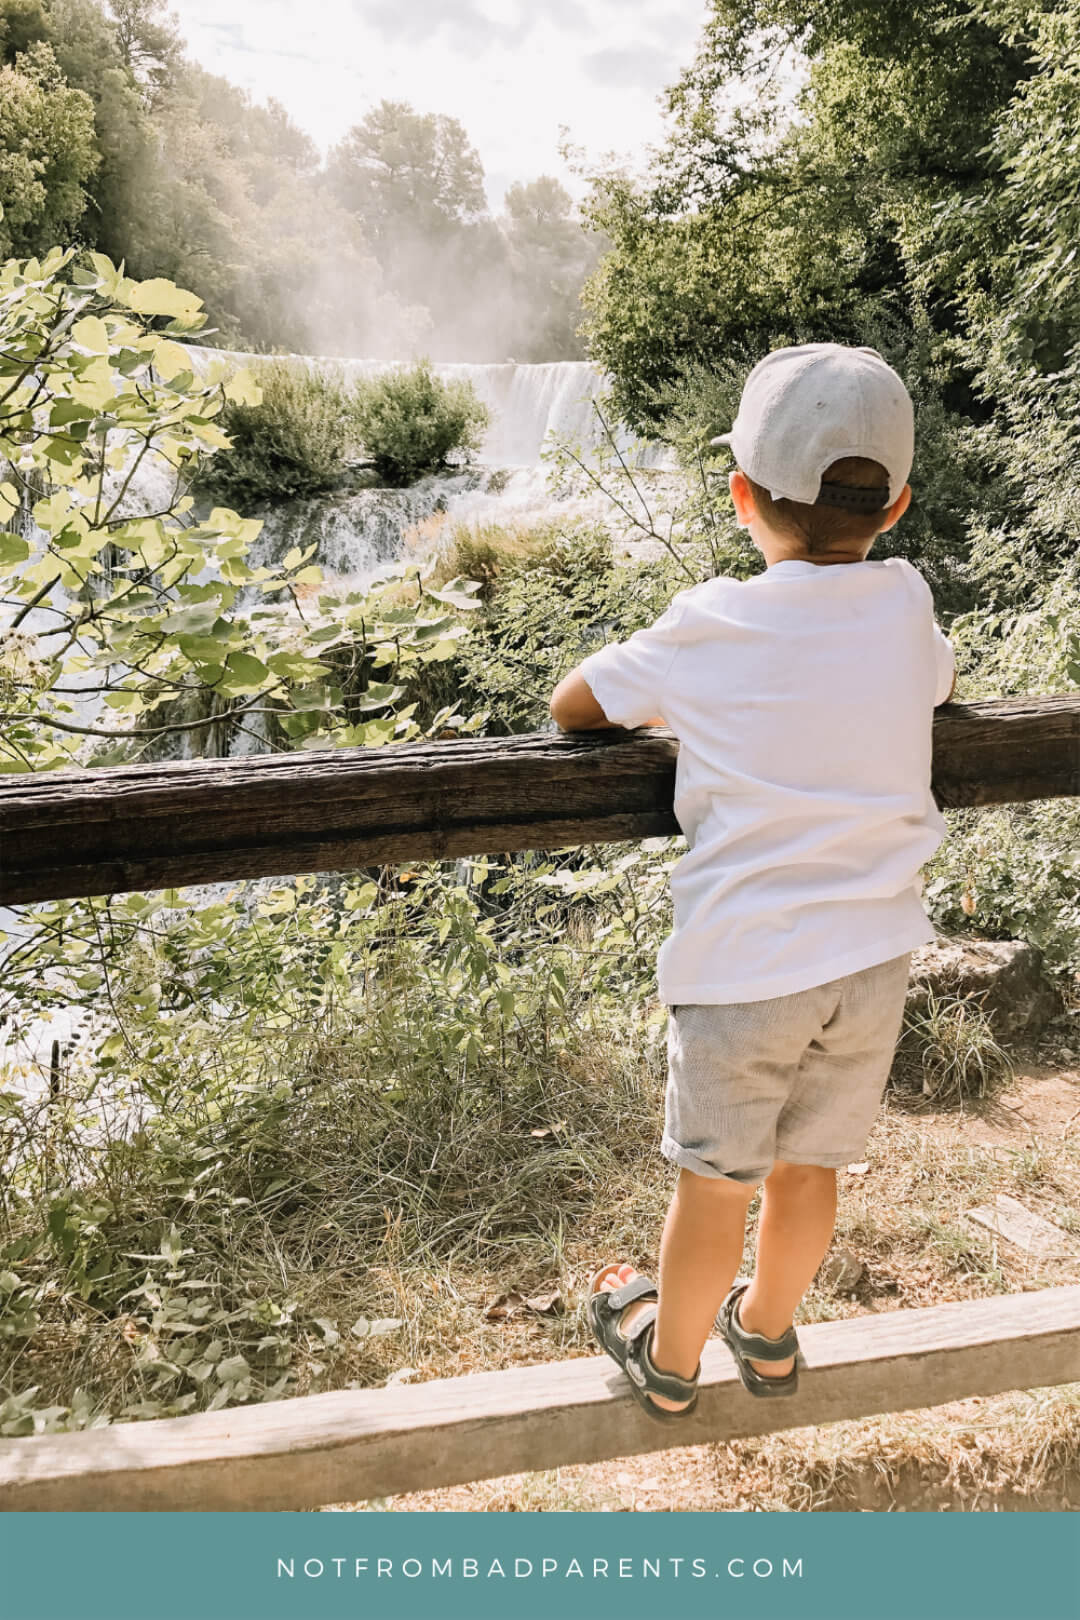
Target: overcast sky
pixel 512 72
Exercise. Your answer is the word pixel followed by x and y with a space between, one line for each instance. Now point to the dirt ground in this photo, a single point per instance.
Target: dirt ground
pixel 903 1222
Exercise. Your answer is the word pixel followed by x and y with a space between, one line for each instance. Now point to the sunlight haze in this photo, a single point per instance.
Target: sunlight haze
pixel 512 74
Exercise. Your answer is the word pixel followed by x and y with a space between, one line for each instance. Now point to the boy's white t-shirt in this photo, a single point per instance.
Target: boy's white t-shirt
pixel 803 702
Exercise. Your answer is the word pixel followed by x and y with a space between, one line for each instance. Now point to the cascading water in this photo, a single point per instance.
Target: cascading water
pixel 360 532
pixel 531 405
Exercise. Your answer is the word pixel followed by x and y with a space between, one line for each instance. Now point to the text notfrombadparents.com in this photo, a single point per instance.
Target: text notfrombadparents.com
pixel 554 1568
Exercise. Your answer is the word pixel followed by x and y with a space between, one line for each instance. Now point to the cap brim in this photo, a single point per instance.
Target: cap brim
pixel 721 438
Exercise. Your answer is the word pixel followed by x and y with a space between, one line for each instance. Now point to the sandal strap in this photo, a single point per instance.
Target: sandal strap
pixel 638 1287
pixel 643 1370
pixel 756 1345
pixel 643 1320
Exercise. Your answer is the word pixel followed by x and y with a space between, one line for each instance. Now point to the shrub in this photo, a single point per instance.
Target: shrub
pixel 410 421
pixel 950 1043
pixel 295 443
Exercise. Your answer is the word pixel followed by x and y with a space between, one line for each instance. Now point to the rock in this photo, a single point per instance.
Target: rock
pixel 843 1271
pixel 1006 975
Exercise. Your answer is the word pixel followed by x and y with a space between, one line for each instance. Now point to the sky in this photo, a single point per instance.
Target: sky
pixel 511 71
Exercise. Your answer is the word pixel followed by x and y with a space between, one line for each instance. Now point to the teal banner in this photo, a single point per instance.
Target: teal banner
pixel 574 1566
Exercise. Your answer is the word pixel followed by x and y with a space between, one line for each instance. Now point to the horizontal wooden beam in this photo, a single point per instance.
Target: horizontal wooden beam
pixel 70 833
pixel 355 1445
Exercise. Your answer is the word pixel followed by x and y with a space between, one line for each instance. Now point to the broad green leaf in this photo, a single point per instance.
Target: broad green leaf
pixel 159 297
pixel 457 593
pixel 244 674
pixel 91 333
pixel 171 359
pixel 379 696
pixel 52 514
pixel 66 411
pixel 95 387
pixel 107 272
pixel 293 666
pixel 243 388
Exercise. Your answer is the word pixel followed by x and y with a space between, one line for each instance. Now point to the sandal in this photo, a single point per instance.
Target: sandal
pixel 744 1345
pixel 632 1350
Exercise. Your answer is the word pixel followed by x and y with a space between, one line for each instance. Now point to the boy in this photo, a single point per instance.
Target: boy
pixel 803 702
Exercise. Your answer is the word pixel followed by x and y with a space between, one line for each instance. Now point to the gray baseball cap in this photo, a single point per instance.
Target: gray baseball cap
pixel 804 408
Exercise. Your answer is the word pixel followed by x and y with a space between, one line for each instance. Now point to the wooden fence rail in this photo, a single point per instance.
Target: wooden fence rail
pixel 354 1445
pixel 70 833
pixel 74 833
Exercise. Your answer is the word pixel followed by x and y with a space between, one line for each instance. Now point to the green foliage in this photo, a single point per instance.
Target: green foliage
pixel 295 441
pixel 144 610
pixel 949 1044
pixel 410 421
pixel 550 257
pixel 47 153
pixel 470 1056
pixel 109 135
pixel 755 229
pixel 399 164
pixel 1012 873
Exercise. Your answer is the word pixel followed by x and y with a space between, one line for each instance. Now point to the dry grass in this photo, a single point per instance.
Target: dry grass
pixel 949 1044
pixel 423 1206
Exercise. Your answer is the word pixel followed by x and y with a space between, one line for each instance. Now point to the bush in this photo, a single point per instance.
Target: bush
pixel 295 443
pixel 950 1044
pixel 410 421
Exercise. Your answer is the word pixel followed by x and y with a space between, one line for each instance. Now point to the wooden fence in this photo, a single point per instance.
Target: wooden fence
pixel 145 827
pixel 70 833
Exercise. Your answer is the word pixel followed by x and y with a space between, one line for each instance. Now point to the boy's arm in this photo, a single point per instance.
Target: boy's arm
pixel 574 708
pixel 625 683
pixel 946 668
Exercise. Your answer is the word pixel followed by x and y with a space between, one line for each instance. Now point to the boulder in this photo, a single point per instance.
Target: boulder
pixel 1006 975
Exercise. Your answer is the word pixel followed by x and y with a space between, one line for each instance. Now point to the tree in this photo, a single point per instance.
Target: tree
pixel 755 227
pixel 47 152
pixel 550 257
pixel 415 186
pixel 399 169
pixel 88 52
pixel 148 41
pixel 139 612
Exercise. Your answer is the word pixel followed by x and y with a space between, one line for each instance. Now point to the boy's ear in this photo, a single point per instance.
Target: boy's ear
pixel 897 509
pixel 743 497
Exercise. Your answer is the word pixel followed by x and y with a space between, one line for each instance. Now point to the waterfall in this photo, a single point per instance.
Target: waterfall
pixel 532 406
pixel 361 532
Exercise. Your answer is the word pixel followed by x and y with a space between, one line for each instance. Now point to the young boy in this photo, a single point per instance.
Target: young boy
pixel 803 701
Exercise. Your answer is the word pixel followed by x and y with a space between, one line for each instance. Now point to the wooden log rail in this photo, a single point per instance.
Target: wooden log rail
pixel 354 1445
pixel 92 832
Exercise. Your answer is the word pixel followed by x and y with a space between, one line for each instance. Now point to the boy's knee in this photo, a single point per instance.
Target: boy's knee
pixel 714 1188
pixel 793 1175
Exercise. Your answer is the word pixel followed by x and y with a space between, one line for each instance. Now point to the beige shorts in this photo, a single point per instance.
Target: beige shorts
pixel 798 1077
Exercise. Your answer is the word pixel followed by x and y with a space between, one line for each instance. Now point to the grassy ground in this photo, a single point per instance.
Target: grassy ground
pixel 903 1221
pixel 360 1228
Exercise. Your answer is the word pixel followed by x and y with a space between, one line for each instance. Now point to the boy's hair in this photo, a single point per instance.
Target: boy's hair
pixel 818 528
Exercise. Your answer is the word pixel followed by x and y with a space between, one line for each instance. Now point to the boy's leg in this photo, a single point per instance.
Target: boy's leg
pixel 828 1116
pixel 699 1257
pixel 798 1212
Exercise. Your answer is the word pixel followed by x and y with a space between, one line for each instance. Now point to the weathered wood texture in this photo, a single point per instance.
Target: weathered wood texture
pixel 356 1445
pixel 70 833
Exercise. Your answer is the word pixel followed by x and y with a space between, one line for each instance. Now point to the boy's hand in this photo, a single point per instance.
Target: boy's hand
pixel 574 708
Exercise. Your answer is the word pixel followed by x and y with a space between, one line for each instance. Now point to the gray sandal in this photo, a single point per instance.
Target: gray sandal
pixel 632 1350
pixel 744 1346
